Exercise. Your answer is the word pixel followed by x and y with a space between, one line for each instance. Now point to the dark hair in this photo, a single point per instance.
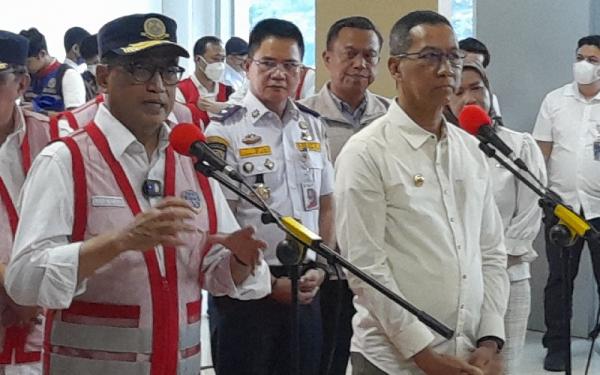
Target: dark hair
pixel 273 27
pixel 475 46
pixel 89 47
pixel 200 46
pixel 37 41
pixel 590 40
pixel 74 36
pixel 400 40
pixel 355 22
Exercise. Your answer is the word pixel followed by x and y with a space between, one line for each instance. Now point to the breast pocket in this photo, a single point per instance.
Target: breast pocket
pixel 261 173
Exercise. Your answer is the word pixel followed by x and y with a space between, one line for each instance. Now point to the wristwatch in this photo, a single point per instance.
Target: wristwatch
pixel 499 342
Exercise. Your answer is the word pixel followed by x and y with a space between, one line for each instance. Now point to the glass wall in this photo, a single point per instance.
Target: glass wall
pixel 463 18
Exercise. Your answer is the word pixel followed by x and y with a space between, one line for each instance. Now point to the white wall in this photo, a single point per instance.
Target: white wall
pixel 90 15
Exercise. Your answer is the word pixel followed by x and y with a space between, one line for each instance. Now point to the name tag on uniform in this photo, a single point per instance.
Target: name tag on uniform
pixel 308 146
pixel 106 201
pixel 255 151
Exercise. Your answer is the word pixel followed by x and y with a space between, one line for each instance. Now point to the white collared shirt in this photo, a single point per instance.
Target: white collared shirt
pixel 11 159
pixel 233 78
pixel 44 267
pixel 518 204
pixel 418 214
pixel 572 124
pixel 261 145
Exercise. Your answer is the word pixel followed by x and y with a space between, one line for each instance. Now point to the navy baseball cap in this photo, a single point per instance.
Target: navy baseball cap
pixel 236 46
pixel 13 49
pixel 131 34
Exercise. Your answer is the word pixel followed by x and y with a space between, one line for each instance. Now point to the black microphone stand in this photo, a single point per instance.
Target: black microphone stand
pixel 560 234
pixel 293 251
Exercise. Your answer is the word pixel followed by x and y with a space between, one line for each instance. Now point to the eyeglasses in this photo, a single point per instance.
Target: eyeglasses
pixel 289 67
pixel 143 73
pixel 435 57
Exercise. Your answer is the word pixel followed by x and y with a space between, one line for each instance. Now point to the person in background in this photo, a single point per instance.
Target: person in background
pixel 236 52
pixel 346 105
pixel 54 86
pixel 477 51
pixel 203 91
pixel 567 130
pixel 518 206
pixel 22 136
pixel 280 149
pixel 415 210
pixel 72 41
pixel 89 52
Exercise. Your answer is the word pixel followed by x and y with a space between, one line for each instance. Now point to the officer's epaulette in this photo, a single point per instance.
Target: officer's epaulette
pixel 304 108
pixel 226 113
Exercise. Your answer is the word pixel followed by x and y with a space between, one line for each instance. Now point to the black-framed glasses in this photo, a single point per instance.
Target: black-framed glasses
pixel 143 73
pixel 434 57
pixel 289 67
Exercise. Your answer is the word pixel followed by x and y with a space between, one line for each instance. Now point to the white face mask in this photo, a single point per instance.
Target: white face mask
pixel 214 71
pixel 92 69
pixel 585 72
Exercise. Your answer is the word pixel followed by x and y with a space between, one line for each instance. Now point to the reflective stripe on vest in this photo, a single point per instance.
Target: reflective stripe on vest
pixel 168 337
pixel 15 337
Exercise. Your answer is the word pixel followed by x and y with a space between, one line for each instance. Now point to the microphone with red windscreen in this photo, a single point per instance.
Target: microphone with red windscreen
pixel 188 140
pixel 474 120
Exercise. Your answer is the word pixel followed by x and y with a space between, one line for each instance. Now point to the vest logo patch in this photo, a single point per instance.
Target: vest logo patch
pixel 107 201
pixel 192 197
pixel 52 83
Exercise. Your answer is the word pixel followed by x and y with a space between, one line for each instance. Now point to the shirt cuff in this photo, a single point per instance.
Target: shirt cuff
pixel 517 247
pixel 219 281
pixel 412 339
pixel 491 325
pixel 60 281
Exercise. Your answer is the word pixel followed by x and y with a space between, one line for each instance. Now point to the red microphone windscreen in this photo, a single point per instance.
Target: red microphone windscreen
pixel 473 117
pixel 183 136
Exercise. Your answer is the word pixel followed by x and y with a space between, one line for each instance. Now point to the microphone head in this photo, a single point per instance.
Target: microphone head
pixel 183 136
pixel 472 118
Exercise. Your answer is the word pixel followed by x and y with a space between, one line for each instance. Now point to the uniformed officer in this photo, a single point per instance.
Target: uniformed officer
pixel 280 148
pixel 22 135
pixel 119 245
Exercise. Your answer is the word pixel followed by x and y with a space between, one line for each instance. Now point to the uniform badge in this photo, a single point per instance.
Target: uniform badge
pixel 3 65
pixel 192 197
pixel 305 136
pixel 248 167
pixel 263 191
pixel 269 164
pixel 419 180
pixel 155 28
pixel 303 125
pixel 52 83
pixel 255 113
pixel 251 139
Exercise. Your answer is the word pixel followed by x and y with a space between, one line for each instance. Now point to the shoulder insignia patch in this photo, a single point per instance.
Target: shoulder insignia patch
pixel 305 109
pixel 226 113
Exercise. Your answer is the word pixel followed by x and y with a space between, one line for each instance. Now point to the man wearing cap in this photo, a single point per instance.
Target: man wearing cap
pixel 203 91
pixel 72 41
pixel 236 52
pixel 280 149
pixel 517 203
pixel 54 86
pixel 89 52
pixel 22 135
pixel 118 247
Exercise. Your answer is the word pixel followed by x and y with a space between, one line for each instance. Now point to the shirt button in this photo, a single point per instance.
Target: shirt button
pixel 445 191
pixel 464 277
pixel 462 306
